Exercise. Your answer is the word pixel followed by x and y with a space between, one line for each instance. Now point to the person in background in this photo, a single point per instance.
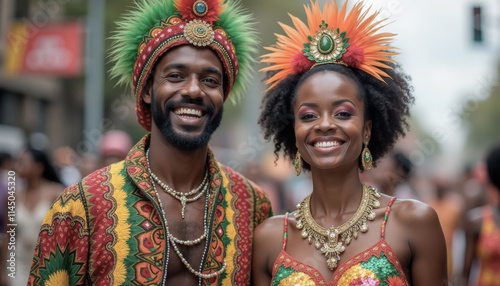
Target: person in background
pixel 471 185
pixel 88 163
pixel 65 159
pixel 6 164
pixel 37 187
pixel 482 229
pixel 114 147
pixel 450 207
pixel 170 213
pixel 392 170
pixel 336 104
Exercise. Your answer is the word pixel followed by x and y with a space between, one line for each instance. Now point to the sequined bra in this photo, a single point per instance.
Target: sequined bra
pixel 377 265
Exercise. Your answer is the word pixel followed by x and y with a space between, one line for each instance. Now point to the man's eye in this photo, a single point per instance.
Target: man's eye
pixel 211 81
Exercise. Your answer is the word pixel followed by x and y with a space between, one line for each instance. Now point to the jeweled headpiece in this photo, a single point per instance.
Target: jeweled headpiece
pixel 155 26
pixel 330 37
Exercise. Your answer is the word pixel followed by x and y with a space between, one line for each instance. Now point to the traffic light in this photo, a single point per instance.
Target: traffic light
pixel 477 21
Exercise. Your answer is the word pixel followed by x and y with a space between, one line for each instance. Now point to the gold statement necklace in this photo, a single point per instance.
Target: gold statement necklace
pixel 327 240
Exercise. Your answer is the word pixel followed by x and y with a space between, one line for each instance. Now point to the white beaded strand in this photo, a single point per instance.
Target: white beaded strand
pixel 182 197
pixel 177 193
pixel 174 240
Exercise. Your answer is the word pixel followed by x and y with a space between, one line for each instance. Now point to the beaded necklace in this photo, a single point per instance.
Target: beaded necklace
pixel 174 241
pixel 182 197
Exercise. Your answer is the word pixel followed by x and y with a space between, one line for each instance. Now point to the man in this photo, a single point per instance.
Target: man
pixel 169 214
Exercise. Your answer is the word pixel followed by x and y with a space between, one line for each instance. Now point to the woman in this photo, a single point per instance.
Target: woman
pixel 41 186
pixel 335 106
pixel 482 229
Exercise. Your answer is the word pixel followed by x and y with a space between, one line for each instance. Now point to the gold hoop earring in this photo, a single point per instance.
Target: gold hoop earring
pixel 298 163
pixel 366 159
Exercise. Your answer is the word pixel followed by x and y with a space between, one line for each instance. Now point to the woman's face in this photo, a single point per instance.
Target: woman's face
pixel 26 165
pixel 330 127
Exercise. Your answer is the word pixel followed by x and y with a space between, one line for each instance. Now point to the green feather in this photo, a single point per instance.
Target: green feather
pixel 130 33
pixel 146 14
pixel 240 26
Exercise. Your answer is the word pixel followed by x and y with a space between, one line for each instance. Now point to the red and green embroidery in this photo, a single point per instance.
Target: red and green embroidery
pixel 115 211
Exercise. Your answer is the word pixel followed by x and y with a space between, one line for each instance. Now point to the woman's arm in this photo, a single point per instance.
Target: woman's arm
pixel 427 246
pixel 267 244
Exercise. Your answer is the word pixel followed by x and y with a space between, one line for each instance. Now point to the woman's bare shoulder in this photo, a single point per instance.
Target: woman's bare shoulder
pixel 413 212
pixel 271 227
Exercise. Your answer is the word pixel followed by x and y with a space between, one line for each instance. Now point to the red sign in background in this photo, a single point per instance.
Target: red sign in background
pixel 53 49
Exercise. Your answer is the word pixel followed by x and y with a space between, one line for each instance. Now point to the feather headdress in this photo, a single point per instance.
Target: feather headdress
pixel 331 36
pixel 153 27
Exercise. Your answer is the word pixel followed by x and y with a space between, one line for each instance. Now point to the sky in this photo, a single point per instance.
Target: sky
pixel 449 71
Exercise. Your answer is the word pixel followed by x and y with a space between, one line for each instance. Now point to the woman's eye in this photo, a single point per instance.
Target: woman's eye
pixel 306 116
pixel 344 113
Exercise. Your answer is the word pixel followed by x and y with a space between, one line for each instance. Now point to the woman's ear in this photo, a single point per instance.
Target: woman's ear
pixel 367 132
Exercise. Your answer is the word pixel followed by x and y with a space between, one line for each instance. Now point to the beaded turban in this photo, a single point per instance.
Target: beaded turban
pixel 153 27
pixel 331 36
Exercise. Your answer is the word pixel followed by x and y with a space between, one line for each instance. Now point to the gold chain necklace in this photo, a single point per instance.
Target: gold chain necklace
pixel 327 240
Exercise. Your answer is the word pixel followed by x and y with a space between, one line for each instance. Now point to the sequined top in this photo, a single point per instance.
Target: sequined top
pixel 378 265
pixel 488 250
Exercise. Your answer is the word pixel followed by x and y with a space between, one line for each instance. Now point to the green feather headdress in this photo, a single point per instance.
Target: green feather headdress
pixel 153 27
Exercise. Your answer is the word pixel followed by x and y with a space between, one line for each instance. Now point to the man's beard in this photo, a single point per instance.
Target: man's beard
pixel 187 143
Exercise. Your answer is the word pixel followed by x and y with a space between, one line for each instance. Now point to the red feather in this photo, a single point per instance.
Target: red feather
pixel 354 56
pixel 214 7
pixel 301 63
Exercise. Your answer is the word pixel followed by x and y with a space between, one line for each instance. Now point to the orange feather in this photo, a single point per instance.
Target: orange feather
pixel 360 25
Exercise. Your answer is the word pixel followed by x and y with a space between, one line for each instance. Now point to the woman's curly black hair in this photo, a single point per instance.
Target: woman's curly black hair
pixel 386 104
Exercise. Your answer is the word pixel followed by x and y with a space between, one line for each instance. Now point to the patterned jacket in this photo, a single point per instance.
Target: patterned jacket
pixel 106 229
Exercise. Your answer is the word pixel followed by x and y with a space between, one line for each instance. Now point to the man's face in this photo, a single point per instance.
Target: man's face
pixel 186 96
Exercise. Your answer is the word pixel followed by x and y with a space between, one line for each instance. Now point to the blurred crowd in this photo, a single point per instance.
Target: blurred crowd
pixel 40 176
pixel 459 202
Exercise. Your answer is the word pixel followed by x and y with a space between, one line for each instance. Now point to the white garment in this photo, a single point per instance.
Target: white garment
pixel 28 227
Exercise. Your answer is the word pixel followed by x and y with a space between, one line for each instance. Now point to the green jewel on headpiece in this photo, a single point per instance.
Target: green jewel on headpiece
pixel 326 45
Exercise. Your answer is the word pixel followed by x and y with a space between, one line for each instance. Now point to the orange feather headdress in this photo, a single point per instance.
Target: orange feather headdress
pixel 330 36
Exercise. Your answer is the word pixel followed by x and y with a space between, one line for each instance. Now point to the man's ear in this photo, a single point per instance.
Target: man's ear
pixel 148 91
